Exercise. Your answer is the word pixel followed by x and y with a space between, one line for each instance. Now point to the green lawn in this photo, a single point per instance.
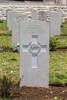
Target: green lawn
pixel 58 67
pixel 9 61
pixel 5 38
pixel 3 27
pixel 57 99
pixel 61 41
pixel 64 28
pixel 9 64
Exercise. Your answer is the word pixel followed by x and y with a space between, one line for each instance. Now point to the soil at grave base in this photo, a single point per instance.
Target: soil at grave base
pixel 33 93
pixel 7 49
pixel 63 35
pixel 61 49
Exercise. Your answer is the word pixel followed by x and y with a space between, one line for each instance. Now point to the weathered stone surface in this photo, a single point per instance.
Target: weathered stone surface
pixel 34 53
pixel 55 23
pixel 10 19
pixel 17 17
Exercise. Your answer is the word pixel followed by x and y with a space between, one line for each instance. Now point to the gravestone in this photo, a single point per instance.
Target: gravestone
pixel 17 17
pixel 34 53
pixel 13 20
pixel 39 14
pixel 9 19
pixel 34 14
pixel 43 15
pixel 55 23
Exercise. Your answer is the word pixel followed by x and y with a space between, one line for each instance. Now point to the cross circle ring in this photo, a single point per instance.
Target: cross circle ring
pixel 34 48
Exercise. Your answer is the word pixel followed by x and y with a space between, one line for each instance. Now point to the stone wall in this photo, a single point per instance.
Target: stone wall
pixel 22 7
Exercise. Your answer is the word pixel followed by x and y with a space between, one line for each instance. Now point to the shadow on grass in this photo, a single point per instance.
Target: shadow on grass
pixel 5 34
pixel 7 49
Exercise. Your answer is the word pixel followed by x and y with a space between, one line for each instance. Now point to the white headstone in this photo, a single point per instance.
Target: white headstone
pixel 34 14
pixel 34 53
pixel 9 19
pixel 17 17
pixel 55 23
pixel 43 15
pixel 39 14
pixel 13 19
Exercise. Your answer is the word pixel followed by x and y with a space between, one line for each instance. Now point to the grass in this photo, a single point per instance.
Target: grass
pixel 61 41
pixel 56 99
pixel 5 41
pixel 3 27
pixel 5 37
pixel 58 67
pixel 9 63
pixel 64 28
